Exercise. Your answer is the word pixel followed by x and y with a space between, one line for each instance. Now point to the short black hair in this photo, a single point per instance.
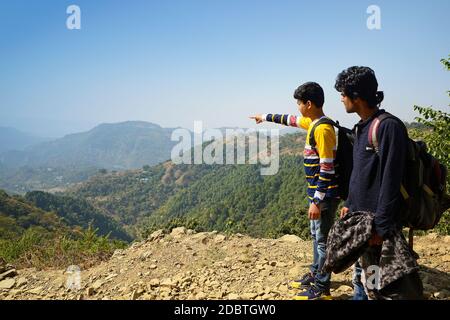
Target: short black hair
pixel 359 82
pixel 311 91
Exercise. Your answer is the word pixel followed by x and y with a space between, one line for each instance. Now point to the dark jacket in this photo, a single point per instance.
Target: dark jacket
pixel 376 178
pixel 348 241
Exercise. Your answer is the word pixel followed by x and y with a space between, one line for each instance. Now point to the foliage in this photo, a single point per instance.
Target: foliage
pixel 78 212
pixel 40 249
pixel 437 138
pixel 32 237
pixel 237 198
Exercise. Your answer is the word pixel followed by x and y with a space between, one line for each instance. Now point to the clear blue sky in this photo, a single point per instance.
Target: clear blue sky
pixel 173 62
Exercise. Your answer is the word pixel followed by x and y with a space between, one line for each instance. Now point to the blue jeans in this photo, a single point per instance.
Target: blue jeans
pixel 319 233
pixel 358 287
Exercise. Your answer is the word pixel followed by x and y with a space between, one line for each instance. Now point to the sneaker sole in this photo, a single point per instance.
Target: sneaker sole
pixel 301 298
pixel 296 285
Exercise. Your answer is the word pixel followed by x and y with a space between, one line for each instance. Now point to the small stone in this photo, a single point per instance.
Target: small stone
pixel 432 236
pixel 249 296
pixel 283 288
pixel 273 263
pixel 89 291
pixel 178 232
pixel 156 235
pixel 136 294
pixel 21 282
pixel 97 284
pixel 200 296
pixel 37 291
pixel 220 238
pixel 169 283
pixel 244 258
pixel 290 238
pixel 111 276
pixel 233 296
pixel 8 274
pixel 145 255
pixel 153 266
pixel 441 294
pixel 216 295
pixel 344 288
pixel 118 253
pixel 7 283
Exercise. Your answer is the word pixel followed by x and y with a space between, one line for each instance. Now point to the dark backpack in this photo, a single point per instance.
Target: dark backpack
pixel 424 183
pixel 343 163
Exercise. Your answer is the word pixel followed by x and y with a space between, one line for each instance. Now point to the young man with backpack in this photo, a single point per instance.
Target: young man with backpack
pixel 378 169
pixel 323 198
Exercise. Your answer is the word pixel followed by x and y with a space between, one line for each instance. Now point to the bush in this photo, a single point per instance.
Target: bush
pixel 40 249
pixel 437 138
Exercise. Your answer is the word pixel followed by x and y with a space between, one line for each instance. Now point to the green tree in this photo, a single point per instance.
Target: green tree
pixel 437 138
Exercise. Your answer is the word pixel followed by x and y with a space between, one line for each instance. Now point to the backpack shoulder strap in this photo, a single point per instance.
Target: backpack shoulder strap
pixel 325 120
pixel 373 143
pixel 373 129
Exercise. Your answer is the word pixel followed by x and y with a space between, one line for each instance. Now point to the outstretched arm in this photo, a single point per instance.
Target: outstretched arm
pixel 284 119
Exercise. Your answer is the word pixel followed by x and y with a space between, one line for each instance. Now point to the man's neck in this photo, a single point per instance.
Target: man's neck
pixel 365 113
pixel 316 115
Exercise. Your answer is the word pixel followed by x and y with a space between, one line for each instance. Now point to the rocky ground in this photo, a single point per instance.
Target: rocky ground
pixel 208 265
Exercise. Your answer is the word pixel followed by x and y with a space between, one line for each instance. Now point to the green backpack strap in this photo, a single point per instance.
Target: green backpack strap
pixel 325 120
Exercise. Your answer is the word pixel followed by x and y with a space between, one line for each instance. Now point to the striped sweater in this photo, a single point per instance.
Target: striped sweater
pixel 318 161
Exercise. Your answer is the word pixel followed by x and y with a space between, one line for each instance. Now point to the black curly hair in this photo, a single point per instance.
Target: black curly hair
pixel 311 91
pixel 359 82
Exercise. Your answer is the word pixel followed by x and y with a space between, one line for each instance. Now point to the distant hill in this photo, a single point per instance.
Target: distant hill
pixel 24 179
pixel 124 145
pixel 13 139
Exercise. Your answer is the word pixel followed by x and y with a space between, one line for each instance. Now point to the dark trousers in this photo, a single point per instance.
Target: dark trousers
pixel 408 287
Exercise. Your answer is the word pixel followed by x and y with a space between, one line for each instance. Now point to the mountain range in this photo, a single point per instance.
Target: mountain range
pixel 120 146
pixel 12 139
